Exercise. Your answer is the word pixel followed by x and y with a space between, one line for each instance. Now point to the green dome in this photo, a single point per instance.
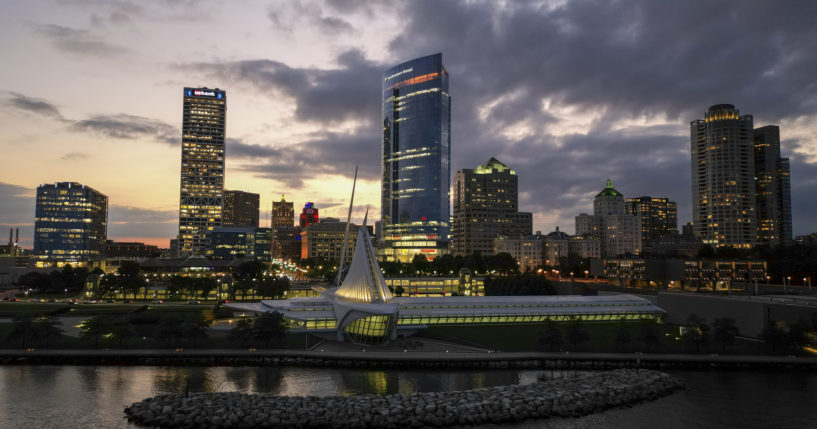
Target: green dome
pixel 609 191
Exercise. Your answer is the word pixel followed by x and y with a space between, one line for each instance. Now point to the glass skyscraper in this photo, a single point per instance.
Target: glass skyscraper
pixel 416 159
pixel 202 172
pixel 772 188
pixel 70 223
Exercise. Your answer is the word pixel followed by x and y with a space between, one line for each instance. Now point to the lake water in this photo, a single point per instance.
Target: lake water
pixel 94 396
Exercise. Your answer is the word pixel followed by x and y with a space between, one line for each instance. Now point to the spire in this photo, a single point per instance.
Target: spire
pixel 609 184
pixel 364 283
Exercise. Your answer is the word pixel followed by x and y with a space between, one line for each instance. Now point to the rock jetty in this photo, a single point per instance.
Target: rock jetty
pixel 568 397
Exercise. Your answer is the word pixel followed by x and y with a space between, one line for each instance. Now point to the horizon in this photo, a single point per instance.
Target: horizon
pixel 596 91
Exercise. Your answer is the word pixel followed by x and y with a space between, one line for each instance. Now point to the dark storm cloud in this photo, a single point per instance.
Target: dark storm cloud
pixel 124 126
pixel 619 60
pixel 80 42
pixel 329 96
pixel 33 105
pixel 320 153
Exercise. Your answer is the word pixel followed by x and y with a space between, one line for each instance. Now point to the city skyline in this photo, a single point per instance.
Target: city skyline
pixel 298 116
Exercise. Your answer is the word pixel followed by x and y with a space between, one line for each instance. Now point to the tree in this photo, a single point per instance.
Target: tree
pixel 419 264
pixel 250 270
pixel 503 263
pixel 122 329
pixel 23 328
pixel 724 332
pixel 95 327
pixel 550 336
pixel 696 333
pixel 773 336
pixel 269 327
pixel 576 332
pixel 170 328
pixel 797 336
pixel 195 329
pixel 623 335
pixel 47 327
pixel 242 332
pixel 649 333
pixel 399 290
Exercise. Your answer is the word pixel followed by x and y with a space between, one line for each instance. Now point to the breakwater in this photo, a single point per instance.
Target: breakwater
pixel 571 397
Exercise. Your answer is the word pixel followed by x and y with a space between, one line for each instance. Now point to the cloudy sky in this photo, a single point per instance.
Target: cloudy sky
pixel 568 93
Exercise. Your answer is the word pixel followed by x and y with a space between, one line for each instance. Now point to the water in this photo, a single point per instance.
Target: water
pixel 94 396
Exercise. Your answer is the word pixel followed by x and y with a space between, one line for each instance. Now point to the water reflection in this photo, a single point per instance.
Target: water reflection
pixel 91 396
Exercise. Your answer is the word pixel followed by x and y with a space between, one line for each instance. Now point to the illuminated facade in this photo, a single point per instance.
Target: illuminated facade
pixel 416 149
pixel 618 233
pixel 70 223
pixel 659 216
pixel 486 203
pixel 202 170
pixel 325 240
pixel 529 251
pixel 233 243
pixel 240 209
pixel 772 188
pixel 723 171
pixel 283 213
pixel 309 215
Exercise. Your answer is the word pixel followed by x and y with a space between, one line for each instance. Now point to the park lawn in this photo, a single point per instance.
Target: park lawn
pixel 601 339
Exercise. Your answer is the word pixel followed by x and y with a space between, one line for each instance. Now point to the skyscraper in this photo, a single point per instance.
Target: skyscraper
pixel 486 203
pixel 309 215
pixel 70 223
pixel 202 170
pixel 619 233
pixel 723 186
pixel 659 216
pixel 416 159
pixel 283 213
pixel 240 209
pixel 772 188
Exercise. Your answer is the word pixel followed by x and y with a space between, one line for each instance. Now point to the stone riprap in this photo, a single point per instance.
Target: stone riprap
pixel 568 397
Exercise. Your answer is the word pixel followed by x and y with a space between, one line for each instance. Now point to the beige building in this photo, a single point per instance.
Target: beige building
pixel 324 239
pixel 486 206
pixel 618 233
pixel 528 251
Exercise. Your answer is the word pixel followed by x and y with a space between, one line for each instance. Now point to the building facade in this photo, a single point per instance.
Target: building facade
pixel 70 223
pixel 723 171
pixel 130 249
pixel 283 213
pixel 240 209
pixel 226 243
pixel 486 203
pixel 528 250
pixel 202 170
pixel 557 247
pixel 772 188
pixel 659 216
pixel 416 153
pixel 618 233
pixel 325 239
pixel 309 215
pixel 286 243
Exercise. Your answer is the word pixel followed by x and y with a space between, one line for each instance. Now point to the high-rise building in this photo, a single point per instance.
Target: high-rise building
pixel 240 209
pixel 202 172
pixel 416 159
pixel 283 214
pixel 325 240
pixel 618 233
pixel 486 202
pixel 309 215
pixel 772 188
pixel 70 223
pixel 659 216
pixel 723 171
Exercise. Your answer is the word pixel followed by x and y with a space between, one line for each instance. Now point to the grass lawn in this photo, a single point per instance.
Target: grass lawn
pixel 602 337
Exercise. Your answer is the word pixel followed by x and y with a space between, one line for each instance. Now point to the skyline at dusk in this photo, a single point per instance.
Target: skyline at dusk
pixel 566 94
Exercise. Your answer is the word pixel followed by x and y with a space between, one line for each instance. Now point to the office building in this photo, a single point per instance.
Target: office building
pixel 528 250
pixel 618 233
pixel 325 240
pixel 240 209
pixel 772 188
pixel 286 243
pixel 225 243
pixel 659 216
pixel 202 170
pixel 283 213
pixel 584 246
pixel 486 203
pixel 416 150
pixel 557 247
pixel 309 215
pixel 70 223
pixel 130 250
pixel 723 171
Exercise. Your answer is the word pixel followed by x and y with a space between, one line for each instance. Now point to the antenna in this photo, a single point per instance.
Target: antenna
pixel 346 233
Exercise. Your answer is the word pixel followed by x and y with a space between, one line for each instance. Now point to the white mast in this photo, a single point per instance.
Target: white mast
pixel 346 233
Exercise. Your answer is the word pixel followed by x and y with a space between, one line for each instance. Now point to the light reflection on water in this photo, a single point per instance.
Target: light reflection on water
pixel 94 396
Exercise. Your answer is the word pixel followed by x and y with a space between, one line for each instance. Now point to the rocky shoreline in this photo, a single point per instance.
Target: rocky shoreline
pixel 570 397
